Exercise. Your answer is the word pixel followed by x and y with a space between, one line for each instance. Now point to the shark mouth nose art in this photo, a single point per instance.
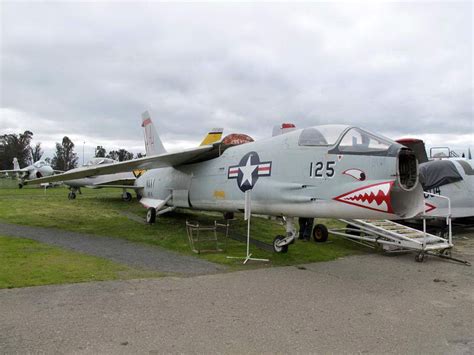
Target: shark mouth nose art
pixel 374 197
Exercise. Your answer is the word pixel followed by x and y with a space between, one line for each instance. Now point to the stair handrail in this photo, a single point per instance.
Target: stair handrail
pixel 448 216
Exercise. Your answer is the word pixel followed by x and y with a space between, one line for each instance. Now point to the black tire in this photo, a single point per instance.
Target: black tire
pixel 320 233
pixel 228 215
pixel 277 249
pixel 20 186
pixel 127 197
pixel 420 257
pixel 352 232
pixel 71 196
pixel 139 197
pixel 151 215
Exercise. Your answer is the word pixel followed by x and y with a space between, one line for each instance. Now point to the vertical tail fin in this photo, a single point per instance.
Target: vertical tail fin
pixel 16 166
pixel 213 136
pixel 153 144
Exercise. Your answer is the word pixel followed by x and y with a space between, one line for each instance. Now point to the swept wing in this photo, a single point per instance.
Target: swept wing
pixel 152 162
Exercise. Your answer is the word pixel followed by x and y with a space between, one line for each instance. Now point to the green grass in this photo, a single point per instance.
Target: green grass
pixel 25 262
pixel 102 212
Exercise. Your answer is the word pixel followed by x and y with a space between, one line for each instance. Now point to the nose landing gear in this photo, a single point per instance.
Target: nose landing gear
pixel 281 243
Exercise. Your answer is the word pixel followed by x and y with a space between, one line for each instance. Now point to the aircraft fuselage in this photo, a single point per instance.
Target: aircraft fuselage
pixel 287 179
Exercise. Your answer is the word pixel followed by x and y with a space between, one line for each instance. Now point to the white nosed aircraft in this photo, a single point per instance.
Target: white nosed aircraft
pixel 36 170
pixel 330 171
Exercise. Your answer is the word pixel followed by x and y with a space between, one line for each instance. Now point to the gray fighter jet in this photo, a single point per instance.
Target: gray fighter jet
pixel 118 180
pixel 36 170
pixel 333 171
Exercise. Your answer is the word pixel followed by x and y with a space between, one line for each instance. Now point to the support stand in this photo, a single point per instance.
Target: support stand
pixel 247 215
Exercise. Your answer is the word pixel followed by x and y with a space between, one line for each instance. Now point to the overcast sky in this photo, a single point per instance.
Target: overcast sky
pixel 87 70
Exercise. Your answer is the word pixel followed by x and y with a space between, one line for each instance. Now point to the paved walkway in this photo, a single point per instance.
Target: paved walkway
pixel 119 250
pixel 368 304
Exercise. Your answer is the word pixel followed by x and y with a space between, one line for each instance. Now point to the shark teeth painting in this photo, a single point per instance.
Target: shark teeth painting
pixel 373 197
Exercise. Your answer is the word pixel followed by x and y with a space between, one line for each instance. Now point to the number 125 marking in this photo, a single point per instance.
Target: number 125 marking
pixel 319 170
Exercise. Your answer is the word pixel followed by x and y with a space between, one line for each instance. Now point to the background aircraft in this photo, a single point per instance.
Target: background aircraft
pixel 449 177
pixel 126 180
pixel 36 170
pixel 330 171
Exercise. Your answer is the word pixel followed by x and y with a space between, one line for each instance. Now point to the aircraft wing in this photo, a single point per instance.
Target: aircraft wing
pixel 152 162
pixel 11 171
pixel 120 182
pixel 131 187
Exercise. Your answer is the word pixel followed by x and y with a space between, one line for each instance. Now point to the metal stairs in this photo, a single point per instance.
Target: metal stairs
pixel 394 237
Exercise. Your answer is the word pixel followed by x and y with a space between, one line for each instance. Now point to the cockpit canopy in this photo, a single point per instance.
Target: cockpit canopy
pixel 350 140
pixel 357 140
pixel 321 135
pixel 99 161
pixel 40 164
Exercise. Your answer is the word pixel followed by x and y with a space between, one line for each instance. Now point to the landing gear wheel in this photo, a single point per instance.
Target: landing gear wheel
pixel 139 197
pixel 71 196
pixel 20 185
pixel 420 257
pixel 151 215
pixel 277 248
pixel 127 197
pixel 320 233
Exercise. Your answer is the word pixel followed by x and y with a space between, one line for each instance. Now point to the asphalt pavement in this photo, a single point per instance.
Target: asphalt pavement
pixel 362 304
pixel 143 256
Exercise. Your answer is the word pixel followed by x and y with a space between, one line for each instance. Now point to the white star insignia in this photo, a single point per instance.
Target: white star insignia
pixel 247 170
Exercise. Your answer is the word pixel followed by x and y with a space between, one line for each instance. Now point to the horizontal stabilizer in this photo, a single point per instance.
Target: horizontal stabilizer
pixel 153 203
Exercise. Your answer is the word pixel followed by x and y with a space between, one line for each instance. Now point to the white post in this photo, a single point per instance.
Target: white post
pixel 247 215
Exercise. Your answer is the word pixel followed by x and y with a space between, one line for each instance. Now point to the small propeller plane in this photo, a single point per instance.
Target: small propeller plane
pixel 330 171
pixel 36 170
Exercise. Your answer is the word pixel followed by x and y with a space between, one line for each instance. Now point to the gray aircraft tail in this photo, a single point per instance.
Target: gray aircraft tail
pixel 153 144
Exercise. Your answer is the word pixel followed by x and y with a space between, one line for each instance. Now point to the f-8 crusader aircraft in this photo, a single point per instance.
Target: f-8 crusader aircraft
pixel 331 171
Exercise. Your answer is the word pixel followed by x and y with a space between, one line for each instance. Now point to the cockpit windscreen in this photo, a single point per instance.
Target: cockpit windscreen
pixel 321 135
pixel 357 140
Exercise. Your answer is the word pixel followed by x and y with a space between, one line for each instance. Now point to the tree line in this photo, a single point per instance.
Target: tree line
pixel 19 146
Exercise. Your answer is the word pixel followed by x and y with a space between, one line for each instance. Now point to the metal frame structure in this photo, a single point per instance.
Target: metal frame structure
pixel 195 238
pixel 396 237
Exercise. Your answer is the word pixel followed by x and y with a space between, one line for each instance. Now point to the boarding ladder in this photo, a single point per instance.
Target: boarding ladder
pixel 392 236
pixel 396 237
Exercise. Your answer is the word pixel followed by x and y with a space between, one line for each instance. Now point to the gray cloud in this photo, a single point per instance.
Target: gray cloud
pixel 88 70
